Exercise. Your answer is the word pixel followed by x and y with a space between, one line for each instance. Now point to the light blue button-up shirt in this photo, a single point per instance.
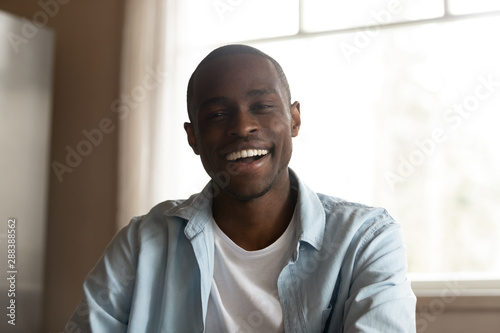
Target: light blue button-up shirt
pixel 347 273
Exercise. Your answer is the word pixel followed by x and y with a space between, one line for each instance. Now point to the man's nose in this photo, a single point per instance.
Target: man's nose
pixel 242 124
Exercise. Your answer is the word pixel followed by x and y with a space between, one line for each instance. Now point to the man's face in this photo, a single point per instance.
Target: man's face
pixel 242 124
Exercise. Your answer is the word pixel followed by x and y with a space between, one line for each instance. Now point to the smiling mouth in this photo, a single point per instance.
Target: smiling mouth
pixel 246 155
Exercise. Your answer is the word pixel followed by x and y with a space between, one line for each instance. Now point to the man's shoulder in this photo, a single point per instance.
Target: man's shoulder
pixel 177 210
pixel 159 213
pixel 167 206
pixel 344 213
pixel 343 218
pixel 331 203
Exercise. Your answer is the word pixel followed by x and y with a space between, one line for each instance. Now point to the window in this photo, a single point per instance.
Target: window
pixel 477 6
pixel 400 107
pixel 326 15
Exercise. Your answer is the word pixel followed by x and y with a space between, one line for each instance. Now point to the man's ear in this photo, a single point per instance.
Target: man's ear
pixel 295 113
pixel 191 137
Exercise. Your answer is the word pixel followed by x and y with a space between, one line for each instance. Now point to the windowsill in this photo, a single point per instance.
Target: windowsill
pixel 457 294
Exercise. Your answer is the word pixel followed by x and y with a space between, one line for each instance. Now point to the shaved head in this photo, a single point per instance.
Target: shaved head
pixel 229 50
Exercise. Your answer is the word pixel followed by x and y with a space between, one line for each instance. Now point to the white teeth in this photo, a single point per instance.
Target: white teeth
pixel 246 153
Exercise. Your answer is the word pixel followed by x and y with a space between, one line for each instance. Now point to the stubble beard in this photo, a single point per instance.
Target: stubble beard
pixel 267 188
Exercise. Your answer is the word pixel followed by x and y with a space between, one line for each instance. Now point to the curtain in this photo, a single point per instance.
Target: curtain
pixel 139 106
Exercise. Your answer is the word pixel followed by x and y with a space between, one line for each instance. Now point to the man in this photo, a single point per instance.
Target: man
pixel 256 250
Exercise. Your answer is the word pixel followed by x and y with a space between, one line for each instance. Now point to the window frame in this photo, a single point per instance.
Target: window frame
pixel 427 288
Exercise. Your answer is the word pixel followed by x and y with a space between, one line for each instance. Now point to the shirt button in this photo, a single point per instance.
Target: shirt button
pixel 302 248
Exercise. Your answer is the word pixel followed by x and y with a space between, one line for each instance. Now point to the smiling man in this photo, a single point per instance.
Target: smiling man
pixel 256 250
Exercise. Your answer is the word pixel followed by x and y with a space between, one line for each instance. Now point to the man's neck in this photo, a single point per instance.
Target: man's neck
pixel 257 223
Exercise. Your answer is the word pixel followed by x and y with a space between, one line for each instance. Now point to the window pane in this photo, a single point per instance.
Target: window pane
pixel 223 21
pixel 409 124
pixel 476 6
pixel 321 15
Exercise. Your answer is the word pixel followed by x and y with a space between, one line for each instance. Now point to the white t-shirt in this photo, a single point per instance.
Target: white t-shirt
pixel 244 295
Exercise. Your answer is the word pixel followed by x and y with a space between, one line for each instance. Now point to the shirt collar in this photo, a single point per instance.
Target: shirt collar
pixel 309 212
pixel 197 210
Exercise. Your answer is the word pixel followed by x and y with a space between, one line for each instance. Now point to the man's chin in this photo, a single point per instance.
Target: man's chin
pixel 247 189
pixel 247 193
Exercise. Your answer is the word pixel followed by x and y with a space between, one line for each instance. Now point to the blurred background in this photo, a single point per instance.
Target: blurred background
pixel 400 101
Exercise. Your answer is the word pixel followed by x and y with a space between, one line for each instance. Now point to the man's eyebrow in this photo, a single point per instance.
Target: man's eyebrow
pixel 250 93
pixel 260 92
pixel 213 100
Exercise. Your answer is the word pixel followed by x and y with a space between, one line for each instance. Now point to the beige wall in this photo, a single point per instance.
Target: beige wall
pixel 81 218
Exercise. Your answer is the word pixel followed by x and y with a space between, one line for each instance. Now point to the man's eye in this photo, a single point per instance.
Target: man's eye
pixel 262 107
pixel 216 114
